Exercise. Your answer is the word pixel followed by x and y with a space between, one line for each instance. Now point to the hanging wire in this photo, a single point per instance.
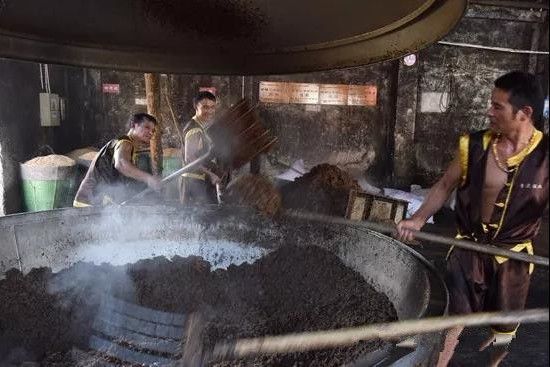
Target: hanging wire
pixel 47 77
pixel 41 79
pixel 49 85
pixel 492 48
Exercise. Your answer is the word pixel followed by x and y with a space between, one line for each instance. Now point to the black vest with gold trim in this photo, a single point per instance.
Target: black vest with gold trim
pixel 521 202
pixel 193 127
pixel 103 183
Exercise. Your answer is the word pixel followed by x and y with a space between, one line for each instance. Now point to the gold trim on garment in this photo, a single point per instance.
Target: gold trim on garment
pixel 463 146
pixel 79 204
pixel 533 142
pixel 197 176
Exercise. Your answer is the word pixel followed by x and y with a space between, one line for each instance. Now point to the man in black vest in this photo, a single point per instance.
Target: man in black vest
pixel 114 175
pixel 501 177
pixel 200 186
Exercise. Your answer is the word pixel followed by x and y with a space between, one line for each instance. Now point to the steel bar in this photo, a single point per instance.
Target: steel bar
pixel 140 312
pixel 127 355
pixel 136 339
pixel 140 326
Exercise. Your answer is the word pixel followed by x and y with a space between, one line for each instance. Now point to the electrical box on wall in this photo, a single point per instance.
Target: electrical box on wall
pixel 50 114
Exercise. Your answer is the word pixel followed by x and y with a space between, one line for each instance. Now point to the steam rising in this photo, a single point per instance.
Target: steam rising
pixel 220 254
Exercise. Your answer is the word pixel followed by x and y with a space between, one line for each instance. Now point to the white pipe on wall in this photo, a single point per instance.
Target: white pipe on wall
pixel 500 49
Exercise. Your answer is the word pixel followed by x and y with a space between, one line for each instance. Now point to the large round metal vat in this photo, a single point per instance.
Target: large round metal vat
pixel 242 37
pixel 60 238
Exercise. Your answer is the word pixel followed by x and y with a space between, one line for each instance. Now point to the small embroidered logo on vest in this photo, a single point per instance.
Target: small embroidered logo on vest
pixel 530 186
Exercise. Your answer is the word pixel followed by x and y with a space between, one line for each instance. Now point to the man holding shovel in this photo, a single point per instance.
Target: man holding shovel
pixel 114 174
pixel 501 176
pixel 200 186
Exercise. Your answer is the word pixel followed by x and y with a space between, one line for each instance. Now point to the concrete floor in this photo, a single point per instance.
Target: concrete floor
pixel 531 345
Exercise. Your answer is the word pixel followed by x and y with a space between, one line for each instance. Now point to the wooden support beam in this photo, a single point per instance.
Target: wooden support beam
pixel 152 93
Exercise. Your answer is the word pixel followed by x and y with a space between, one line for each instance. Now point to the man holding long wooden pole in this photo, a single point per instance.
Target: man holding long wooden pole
pixel 501 176
pixel 201 186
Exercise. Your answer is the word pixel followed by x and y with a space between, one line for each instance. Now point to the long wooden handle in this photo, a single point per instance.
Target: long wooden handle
pixel 387 229
pixel 301 342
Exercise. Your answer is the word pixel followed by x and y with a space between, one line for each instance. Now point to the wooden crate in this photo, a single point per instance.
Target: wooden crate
pixel 375 208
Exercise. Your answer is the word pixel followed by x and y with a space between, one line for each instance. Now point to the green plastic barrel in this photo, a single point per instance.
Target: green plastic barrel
pixel 171 190
pixel 46 188
pixel 170 165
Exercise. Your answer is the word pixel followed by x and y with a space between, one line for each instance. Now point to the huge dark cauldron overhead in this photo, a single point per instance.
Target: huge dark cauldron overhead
pixel 243 37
